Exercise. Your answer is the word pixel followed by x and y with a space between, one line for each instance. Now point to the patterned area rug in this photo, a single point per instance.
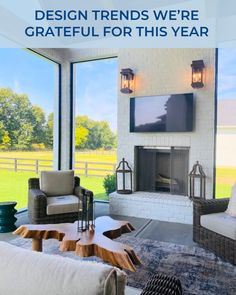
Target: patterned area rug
pixel 199 271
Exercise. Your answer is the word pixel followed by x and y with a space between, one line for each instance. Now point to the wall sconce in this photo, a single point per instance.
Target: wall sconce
pixel 197 73
pixel 127 81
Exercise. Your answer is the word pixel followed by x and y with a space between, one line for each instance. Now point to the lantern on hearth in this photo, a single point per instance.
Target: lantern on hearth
pixel 123 178
pixel 85 212
pixel 197 182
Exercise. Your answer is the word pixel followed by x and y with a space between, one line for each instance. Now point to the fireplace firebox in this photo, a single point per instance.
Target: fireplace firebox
pixel 162 169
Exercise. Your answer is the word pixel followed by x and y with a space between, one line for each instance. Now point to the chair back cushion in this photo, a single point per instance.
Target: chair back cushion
pixel 57 183
pixel 231 210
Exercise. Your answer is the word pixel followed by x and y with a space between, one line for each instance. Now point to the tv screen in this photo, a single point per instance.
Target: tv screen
pixel 165 113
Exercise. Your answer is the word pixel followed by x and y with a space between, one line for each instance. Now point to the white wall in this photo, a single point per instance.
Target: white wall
pixel 55 54
pixel 168 71
pixel 76 55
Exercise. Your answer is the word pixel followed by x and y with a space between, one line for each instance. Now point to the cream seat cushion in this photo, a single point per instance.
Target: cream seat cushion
pixel 25 272
pixel 62 204
pixel 221 223
pixel 57 183
pixel 231 210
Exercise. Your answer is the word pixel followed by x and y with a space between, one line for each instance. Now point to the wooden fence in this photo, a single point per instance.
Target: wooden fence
pixel 98 169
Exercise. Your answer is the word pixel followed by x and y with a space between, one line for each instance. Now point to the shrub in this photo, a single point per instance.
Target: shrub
pixel 109 183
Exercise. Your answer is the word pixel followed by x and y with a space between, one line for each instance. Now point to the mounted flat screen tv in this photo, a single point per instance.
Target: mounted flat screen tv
pixel 164 113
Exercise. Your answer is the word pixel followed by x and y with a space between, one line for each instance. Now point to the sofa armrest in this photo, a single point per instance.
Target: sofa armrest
pixel 37 203
pixel 67 276
pixel 202 207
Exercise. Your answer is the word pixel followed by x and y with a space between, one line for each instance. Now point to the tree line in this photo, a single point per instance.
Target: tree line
pixel 24 126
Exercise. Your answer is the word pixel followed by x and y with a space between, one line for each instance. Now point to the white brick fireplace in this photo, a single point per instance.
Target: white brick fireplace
pixel 160 72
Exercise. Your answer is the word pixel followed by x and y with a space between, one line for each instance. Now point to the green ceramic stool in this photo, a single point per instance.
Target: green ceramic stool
pixel 7 216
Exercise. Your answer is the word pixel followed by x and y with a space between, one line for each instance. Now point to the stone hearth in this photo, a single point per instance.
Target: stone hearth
pixel 152 205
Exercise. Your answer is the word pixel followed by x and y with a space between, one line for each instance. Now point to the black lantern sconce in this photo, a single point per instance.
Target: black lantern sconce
pixel 197 179
pixel 85 213
pixel 197 73
pixel 127 81
pixel 123 178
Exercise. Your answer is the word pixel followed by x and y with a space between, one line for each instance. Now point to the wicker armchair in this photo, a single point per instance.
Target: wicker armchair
pixel 37 204
pixel 221 245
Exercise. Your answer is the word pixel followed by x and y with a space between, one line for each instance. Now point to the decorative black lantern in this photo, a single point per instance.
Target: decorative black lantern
pixel 124 178
pixel 197 73
pixel 197 180
pixel 127 81
pixel 85 213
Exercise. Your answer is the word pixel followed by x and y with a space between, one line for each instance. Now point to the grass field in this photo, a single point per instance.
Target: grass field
pixel 93 156
pixel 13 185
pixel 225 179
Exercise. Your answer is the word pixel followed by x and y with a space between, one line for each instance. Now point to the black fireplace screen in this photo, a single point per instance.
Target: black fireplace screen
pixel 162 170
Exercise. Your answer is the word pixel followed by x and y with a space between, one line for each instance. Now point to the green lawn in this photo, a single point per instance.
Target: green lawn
pixel 91 156
pixel 225 179
pixel 223 191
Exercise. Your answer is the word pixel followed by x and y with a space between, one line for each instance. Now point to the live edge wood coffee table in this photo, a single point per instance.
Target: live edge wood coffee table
pixel 98 242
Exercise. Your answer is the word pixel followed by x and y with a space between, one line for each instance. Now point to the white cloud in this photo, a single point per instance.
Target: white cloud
pixel 97 97
pixel 97 105
pixel 16 87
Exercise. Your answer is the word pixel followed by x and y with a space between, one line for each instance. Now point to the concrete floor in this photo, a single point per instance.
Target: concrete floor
pixel 144 228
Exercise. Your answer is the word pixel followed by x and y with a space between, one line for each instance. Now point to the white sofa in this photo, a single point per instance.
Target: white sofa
pixel 25 272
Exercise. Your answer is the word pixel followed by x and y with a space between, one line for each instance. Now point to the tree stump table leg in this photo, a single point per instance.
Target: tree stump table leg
pixel 37 245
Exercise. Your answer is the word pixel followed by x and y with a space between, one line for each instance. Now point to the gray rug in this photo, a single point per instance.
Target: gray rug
pixel 199 271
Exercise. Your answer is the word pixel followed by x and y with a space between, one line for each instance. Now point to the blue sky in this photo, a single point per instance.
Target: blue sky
pixel 96 83
pixel 28 73
pixel 227 73
pixel 96 90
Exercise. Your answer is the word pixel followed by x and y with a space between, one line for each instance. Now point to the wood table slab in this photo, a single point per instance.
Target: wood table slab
pixel 94 242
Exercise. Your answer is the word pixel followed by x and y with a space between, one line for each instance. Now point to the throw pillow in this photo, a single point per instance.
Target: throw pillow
pixel 231 210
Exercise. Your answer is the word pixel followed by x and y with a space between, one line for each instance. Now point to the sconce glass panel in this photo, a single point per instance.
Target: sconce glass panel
pixel 127 81
pixel 197 73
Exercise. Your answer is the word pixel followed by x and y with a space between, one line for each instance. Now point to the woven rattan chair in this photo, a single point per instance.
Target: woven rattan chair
pixel 38 203
pixel 221 245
